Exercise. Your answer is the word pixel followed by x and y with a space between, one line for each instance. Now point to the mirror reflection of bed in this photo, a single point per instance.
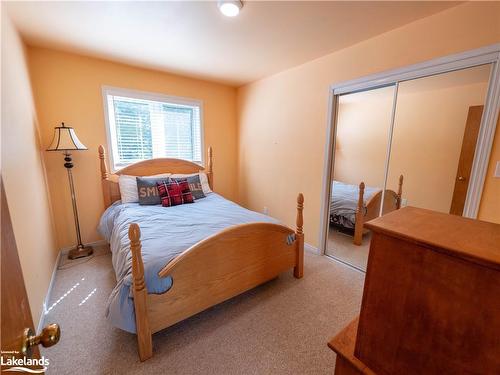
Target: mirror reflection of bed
pixel 414 141
pixel 350 207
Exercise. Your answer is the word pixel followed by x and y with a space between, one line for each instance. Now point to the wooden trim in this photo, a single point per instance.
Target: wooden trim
pixel 111 190
pixel 298 270
pixel 400 192
pixel 360 213
pixel 104 177
pixel 160 165
pixel 343 344
pixel 464 167
pixel 213 270
pixel 378 203
pixel 210 174
pixel 144 339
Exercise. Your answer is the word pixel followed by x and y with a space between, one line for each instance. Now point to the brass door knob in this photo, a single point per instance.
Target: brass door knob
pixel 461 178
pixel 50 336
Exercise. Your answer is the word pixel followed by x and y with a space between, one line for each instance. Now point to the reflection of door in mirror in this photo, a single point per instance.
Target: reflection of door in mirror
pixel 361 142
pixel 464 168
pixel 434 137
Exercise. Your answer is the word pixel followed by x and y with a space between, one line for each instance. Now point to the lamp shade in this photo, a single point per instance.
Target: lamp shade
pixel 65 139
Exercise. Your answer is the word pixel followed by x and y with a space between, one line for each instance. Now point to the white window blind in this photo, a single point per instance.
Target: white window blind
pixel 142 128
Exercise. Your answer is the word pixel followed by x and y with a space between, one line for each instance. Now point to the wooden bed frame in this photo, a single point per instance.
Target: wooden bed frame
pixel 392 201
pixel 215 269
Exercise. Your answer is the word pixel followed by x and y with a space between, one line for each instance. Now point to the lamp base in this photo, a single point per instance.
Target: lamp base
pixel 80 252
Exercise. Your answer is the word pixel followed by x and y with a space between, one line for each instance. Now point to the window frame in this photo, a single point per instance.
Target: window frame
pixel 144 95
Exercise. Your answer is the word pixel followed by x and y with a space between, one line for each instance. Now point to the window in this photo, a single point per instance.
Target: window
pixel 144 126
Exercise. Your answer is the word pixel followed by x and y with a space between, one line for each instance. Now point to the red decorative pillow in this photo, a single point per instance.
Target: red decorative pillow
pixel 174 192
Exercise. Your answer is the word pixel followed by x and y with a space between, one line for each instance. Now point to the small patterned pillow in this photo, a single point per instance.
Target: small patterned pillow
pixel 194 185
pixel 174 193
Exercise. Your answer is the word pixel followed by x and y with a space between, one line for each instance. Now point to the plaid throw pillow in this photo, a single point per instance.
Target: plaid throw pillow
pixel 194 185
pixel 174 193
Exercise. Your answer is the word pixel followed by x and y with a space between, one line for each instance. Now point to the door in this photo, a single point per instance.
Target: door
pixel 363 123
pixel 18 341
pixel 428 143
pixel 466 158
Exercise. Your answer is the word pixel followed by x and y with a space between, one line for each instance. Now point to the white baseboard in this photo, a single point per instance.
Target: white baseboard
pixel 311 249
pixel 41 321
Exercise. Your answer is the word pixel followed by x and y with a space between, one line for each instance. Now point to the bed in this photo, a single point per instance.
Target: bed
pixel 353 205
pixel 202 254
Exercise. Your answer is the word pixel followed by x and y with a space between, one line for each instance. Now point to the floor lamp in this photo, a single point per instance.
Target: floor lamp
pixel 65 140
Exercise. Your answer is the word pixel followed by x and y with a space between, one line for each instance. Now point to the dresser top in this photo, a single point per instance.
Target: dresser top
pixel 474 240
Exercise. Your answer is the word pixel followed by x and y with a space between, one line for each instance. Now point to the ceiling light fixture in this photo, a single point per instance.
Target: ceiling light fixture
pixel 230 8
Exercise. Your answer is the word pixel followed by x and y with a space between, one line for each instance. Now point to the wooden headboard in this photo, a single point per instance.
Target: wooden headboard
pixel 111 190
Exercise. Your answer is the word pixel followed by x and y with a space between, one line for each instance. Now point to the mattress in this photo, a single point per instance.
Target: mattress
pixel 165 233
pixel 344 202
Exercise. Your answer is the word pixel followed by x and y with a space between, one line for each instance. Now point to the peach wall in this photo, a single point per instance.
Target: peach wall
pixel 282 118
pixel 23 172
pixel 67 87
pixel 363 126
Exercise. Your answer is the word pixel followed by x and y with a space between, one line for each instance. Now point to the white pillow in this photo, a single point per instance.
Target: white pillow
pixel 203 179
pixel 128 187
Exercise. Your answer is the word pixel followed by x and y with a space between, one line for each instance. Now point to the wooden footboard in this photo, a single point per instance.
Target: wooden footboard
pixel 212 271
pixel 371 210
pixel 360 216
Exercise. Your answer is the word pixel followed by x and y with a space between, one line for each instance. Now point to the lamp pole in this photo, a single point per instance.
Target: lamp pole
pixel 68 165
pixel 65 140
pixel 81 250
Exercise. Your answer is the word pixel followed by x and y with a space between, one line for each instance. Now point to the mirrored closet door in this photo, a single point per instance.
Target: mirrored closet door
pixel 434 137
pixel 411 143
pixel 358 175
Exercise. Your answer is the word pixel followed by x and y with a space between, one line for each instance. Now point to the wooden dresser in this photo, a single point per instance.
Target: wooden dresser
pixel 431 300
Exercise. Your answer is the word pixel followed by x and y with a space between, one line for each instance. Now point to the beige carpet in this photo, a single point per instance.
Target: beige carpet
pixel 341 247
pixel 281 327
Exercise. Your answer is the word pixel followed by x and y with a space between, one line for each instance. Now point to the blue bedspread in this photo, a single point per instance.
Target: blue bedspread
pixel 165 233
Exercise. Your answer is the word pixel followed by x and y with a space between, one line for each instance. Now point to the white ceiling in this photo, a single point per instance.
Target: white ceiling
pixel 194 39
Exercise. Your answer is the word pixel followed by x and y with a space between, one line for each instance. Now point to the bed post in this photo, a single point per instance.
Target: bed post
pixel 144 339
pixel 358 226
pixel 298 270
pixel 210 173
pixel 104 177
pixel 400 192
